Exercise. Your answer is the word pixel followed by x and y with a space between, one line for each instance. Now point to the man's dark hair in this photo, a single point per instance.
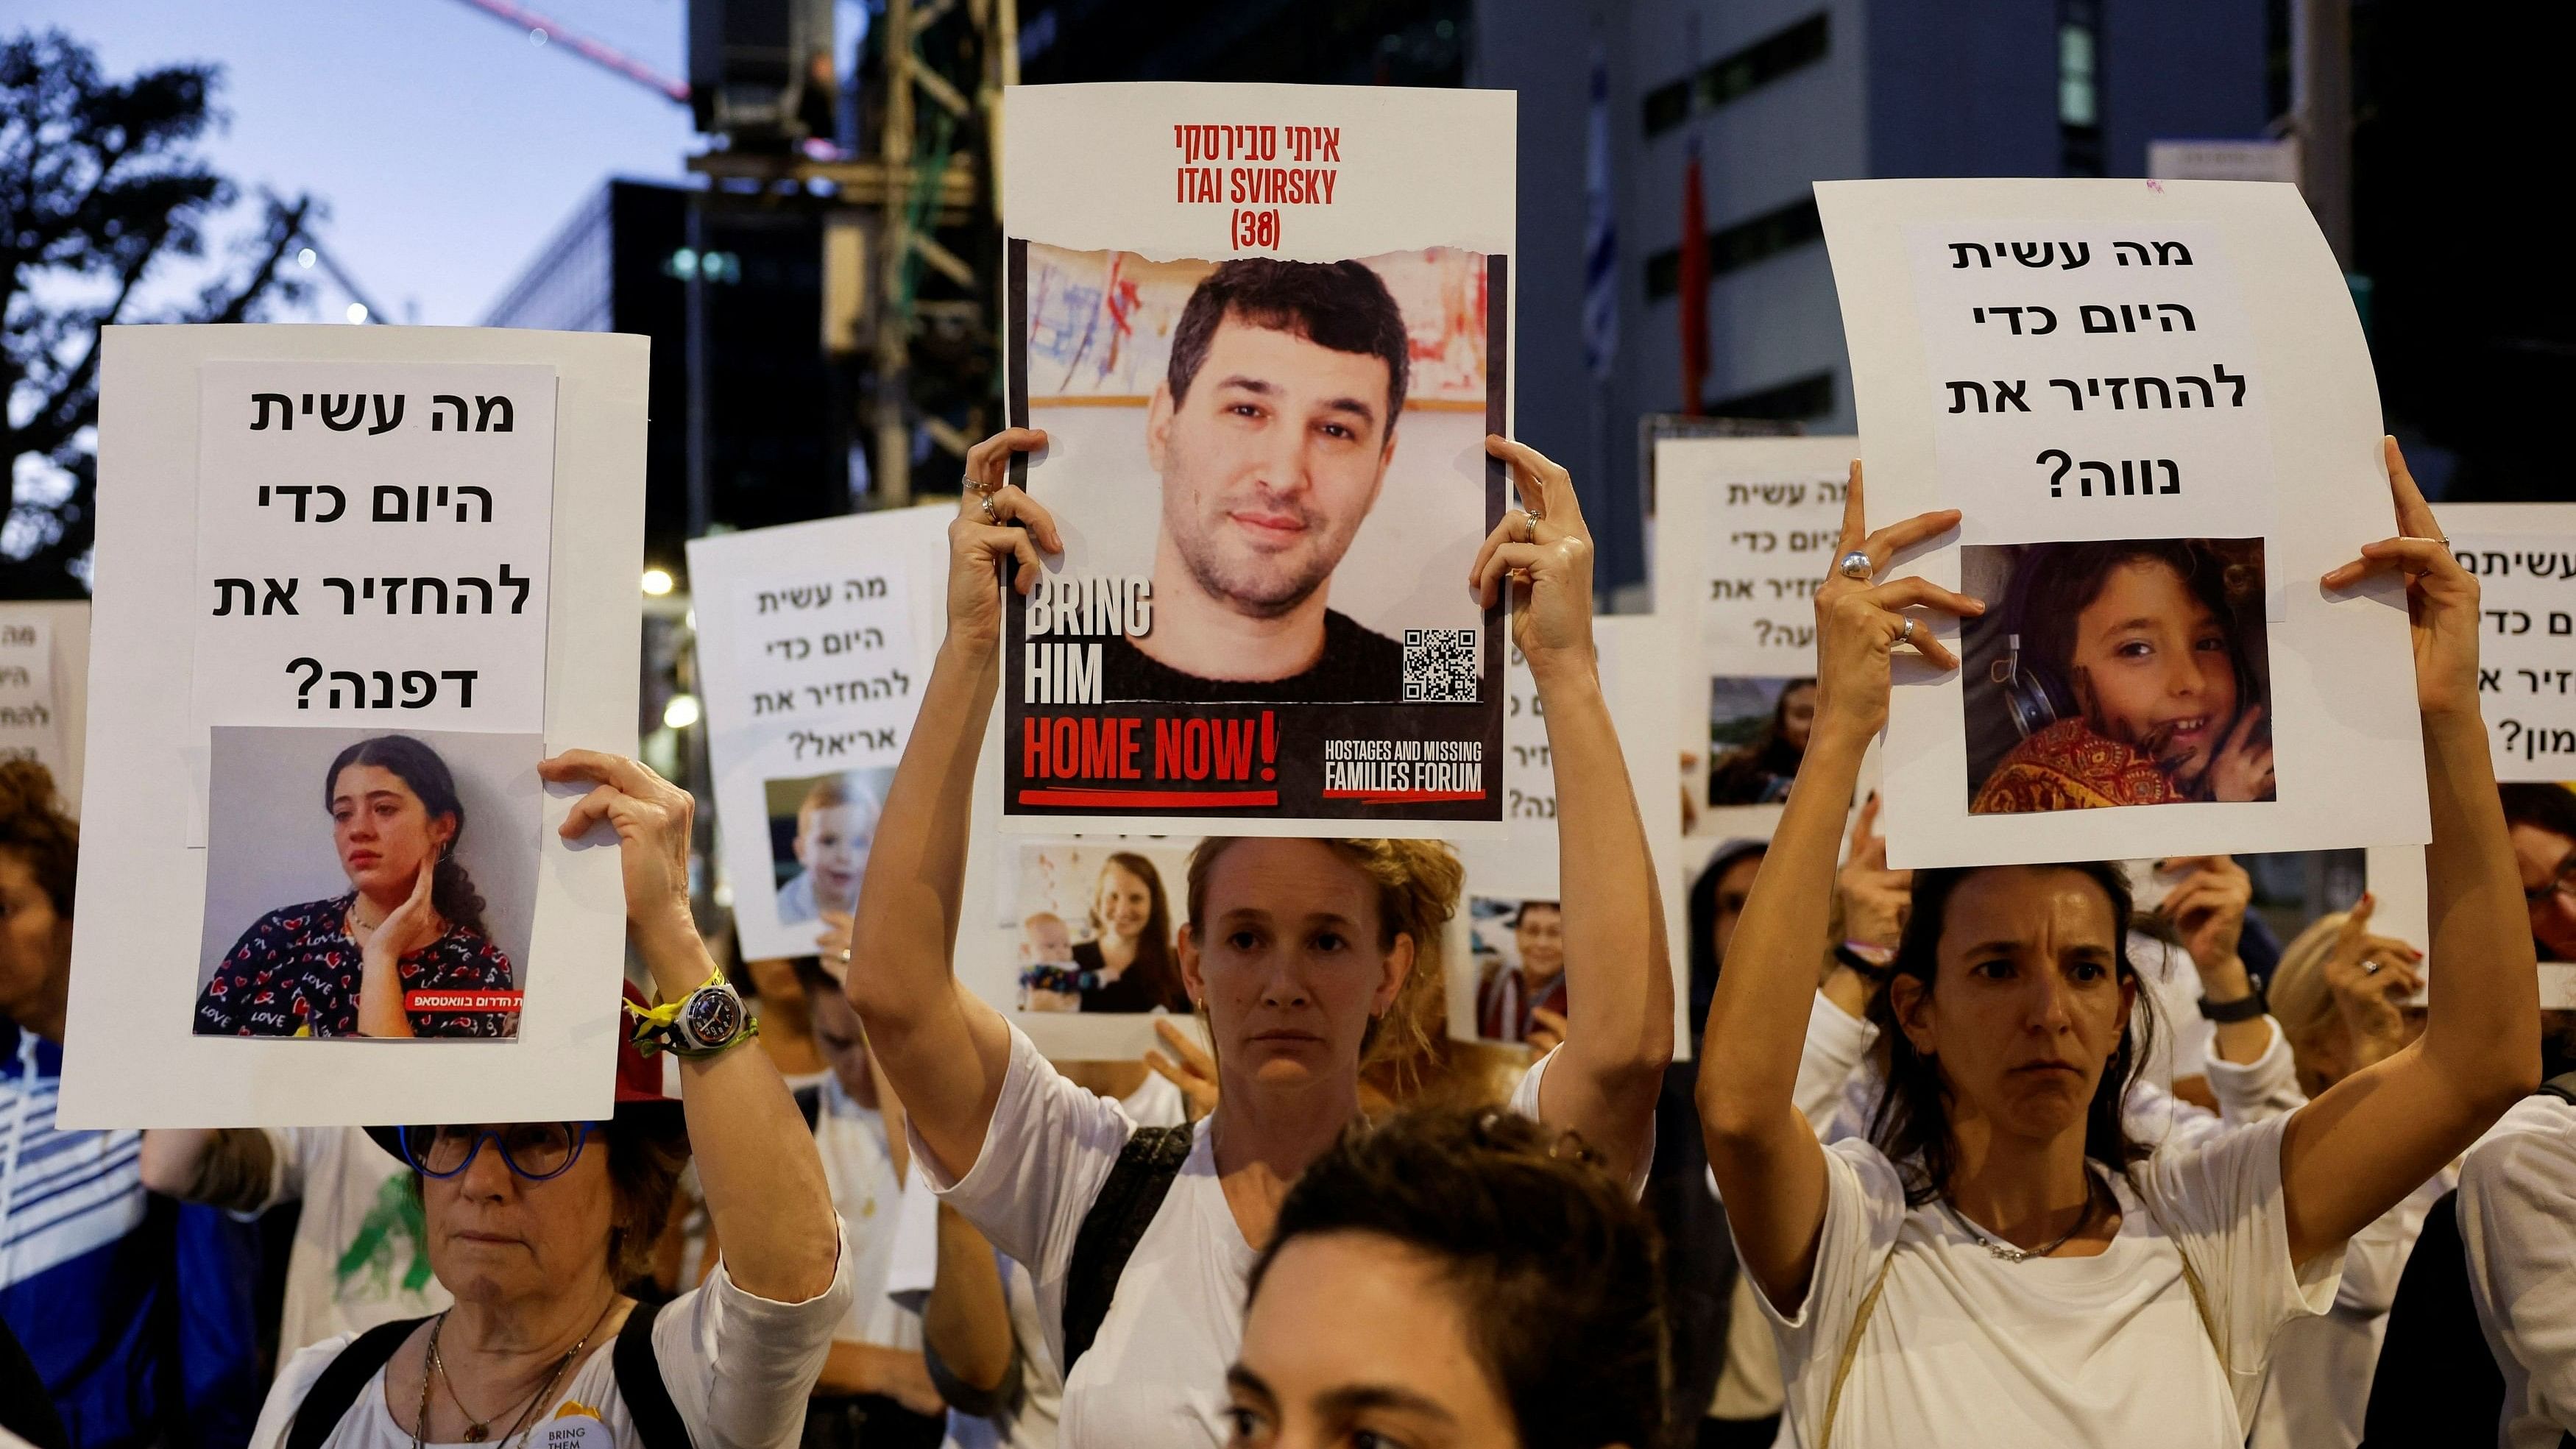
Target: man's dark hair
pixel 1343 306
pixel 1912 1124
pixel 1556 1270
pixel 2542 807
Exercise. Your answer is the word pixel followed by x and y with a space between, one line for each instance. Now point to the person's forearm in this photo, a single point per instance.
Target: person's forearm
pixel 967 1320
pixel 757 1166
pixel 380 1000
pixel 2240 1042
pixel 225 1167
pixel 2483 1024
pixel 1619 984
pixel 1757 1017
pixel 905 933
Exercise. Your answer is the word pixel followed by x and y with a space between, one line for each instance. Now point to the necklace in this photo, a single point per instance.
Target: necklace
pixel 434 1368
pixel 2013 1254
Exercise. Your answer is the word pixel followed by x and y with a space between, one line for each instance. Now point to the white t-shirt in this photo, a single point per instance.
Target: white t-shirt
pixel 1965 1348
pixel 738 1368
pixel 1155 1374
pixel 361 1254
pixel 858 1164
pixel 1029 1422
pixel 2515 1187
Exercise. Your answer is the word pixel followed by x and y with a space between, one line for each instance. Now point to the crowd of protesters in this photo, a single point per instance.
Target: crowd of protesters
pixel 1987 1155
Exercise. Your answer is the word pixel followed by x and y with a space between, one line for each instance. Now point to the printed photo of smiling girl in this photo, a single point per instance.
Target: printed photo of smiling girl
pixel 2117 672
pixel 403 952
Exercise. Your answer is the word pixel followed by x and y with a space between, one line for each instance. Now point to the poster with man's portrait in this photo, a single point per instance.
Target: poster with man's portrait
pixel 1266 330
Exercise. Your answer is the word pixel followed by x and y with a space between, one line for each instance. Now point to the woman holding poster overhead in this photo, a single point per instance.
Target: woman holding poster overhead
pixel 2000 1262
pixel 410 922
pixel 1294 951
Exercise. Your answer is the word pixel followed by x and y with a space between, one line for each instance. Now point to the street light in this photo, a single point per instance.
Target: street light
pixel 657 582
pixel 681 712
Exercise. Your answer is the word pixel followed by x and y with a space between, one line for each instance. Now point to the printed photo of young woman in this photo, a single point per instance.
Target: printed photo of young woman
pixel 2117 672
pixel 368 885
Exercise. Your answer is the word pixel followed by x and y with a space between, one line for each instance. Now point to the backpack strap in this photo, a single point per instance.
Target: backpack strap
pixel 639 1382
pixel 1112 1228
pixel 2562 1086
pixel 336 1389
pixel 2437 1383
pixel 809 1100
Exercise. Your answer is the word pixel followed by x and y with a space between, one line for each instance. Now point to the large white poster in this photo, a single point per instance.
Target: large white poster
pixel 1744 533
pixel 2524 555
pixel 813 643
pixel 1506 954
pixel 408 558
pixel 2152 403
pixel 1266 330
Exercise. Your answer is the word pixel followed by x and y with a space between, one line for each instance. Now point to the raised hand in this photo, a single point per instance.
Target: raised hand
pixel 1189 1068
pixel 1860 621
pixel 651 817
pixel 2371 976
pixel 2208 908
pixel 1546 1031
pixel 2242 769
pixel 413 924
pixel 1546 551
pixel 981 537
pixel 1875 899
pixel 2441 596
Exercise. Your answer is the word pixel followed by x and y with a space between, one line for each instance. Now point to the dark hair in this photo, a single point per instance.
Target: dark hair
pixel 1912 1124
pixel 1704 960
pixel 2054 583
pixel 32 824
pixel 1522 914
pixel 418 766
pixel 811 975
pixel 1738 774
pixel 1556 1271
pixel 2542 807
pixel 1156 963
pixel 1341 306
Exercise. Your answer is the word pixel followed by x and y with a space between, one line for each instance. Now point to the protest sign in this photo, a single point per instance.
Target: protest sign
pixel 813 642
pixel 2152 403
pixel 1266 354
pixel 1506 948
pixel 409 560
pixel 44 659
pixel 2524 555
pixel 1744 532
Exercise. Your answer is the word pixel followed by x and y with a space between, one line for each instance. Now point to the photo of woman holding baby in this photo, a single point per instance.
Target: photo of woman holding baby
pixel 1130 950
pixel 2118 672
pixel 410 922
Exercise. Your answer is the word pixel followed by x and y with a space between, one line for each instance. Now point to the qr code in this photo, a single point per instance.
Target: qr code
pixel 1439 666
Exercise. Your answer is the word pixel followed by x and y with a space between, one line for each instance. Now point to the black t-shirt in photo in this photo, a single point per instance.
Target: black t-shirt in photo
pixel 1358 666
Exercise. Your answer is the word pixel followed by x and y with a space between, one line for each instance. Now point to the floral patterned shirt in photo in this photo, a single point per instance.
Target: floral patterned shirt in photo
pixel 296 971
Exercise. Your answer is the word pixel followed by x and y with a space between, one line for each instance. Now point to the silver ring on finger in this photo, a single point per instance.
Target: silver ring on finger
pixel 1529 527
pixel 845 955
pixel 1856 565
pixel 2369 968
pixel 990 514
pixel 1907 635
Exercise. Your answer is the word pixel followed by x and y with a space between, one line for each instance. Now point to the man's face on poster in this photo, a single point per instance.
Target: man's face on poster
pixel 1271 463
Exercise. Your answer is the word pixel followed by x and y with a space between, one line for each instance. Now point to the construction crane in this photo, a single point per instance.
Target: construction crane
pixel 607 58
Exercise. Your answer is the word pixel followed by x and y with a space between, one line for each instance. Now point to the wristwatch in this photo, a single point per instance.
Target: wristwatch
pixel 2244 1008
pixel 700 1024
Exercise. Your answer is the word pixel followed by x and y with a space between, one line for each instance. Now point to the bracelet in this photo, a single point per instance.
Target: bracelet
pixel 1867 958
pixel 2248 1007
pixel 668 1012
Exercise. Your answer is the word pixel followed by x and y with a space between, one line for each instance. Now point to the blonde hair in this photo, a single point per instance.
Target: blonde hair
pixel 1417 883
pixel 2301 1000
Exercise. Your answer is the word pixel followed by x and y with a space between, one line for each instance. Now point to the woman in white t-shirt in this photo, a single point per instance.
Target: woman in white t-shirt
pixel 2000 1263
pixel 534 1225
pixel 1294 951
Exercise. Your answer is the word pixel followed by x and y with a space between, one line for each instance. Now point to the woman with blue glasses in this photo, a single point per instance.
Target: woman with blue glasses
pixel 534 1226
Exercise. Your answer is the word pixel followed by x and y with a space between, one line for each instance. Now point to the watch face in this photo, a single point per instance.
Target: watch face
pixel 712 1017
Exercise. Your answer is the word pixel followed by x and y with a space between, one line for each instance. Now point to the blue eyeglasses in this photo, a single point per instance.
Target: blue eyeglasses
pixel 533 1151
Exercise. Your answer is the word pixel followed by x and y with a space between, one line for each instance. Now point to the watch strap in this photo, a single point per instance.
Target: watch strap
pixel 2244 1008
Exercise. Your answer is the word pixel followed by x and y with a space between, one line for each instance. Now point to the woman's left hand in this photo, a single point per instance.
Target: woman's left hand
pixel 409 926
pixel 1189 1068
pixel 1545 549
pixel 2441 596
pixel 2243 769
pixel 651 816
pixel 2208 908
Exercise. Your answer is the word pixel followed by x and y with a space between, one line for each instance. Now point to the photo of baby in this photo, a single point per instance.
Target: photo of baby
pixel 820 828
pixel 2117 672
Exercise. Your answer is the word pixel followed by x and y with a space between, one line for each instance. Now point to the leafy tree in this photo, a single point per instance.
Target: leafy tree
pixel 101 190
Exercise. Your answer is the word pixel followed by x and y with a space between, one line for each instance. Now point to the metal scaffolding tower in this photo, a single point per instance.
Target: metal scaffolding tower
pixel 921 202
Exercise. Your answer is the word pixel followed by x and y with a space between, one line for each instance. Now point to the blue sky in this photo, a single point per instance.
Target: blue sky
pixel 448 147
